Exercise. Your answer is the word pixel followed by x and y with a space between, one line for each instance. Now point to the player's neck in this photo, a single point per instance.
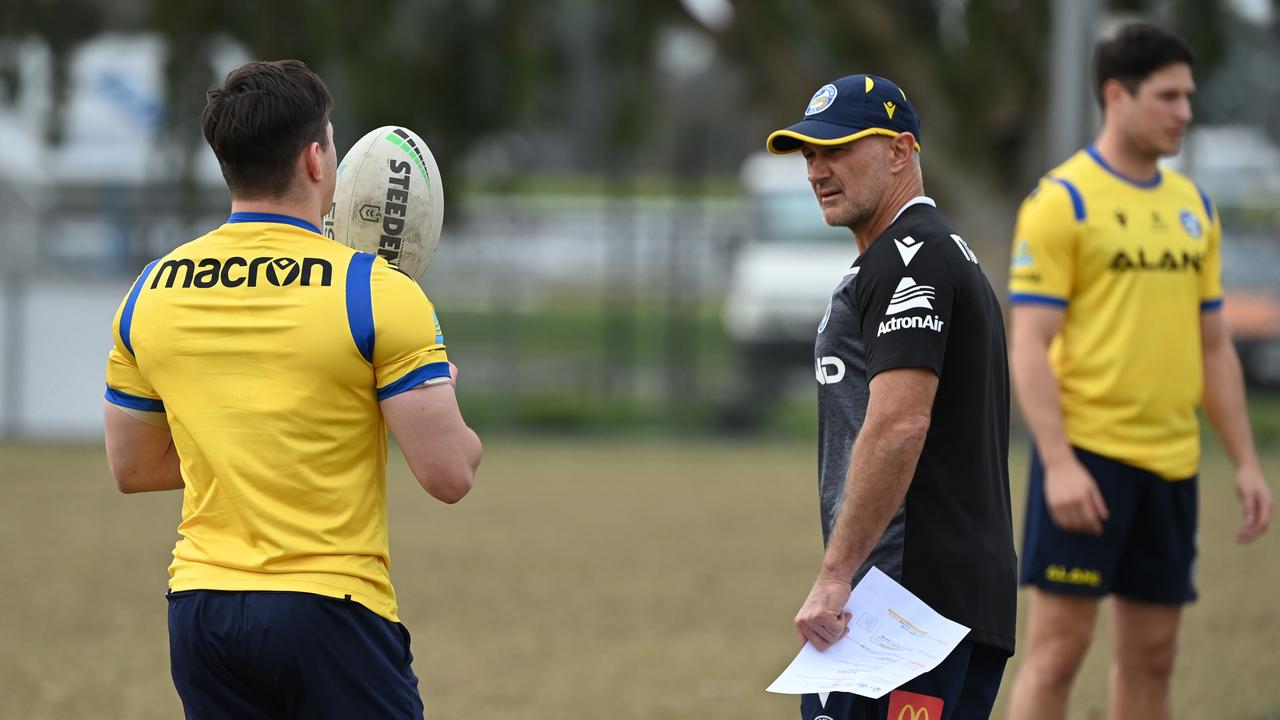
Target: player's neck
pixel 865 234
pixel 1124 158
pixel 279 206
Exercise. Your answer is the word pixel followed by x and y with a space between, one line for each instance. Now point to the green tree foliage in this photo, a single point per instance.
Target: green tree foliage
pixel 459 71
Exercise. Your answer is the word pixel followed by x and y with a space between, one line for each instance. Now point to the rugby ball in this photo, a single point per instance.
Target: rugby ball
pixel 389 199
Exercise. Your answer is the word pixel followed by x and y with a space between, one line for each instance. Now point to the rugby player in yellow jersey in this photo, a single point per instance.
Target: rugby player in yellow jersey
pixel 258 368
pixel 1117 337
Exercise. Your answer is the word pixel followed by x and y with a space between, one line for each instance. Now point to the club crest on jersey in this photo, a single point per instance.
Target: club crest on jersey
pixel 821 100
pixel 1022 257
pixel 1190 223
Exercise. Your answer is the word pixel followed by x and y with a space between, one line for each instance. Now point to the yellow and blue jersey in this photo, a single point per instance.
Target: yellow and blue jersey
pixel 268 348
pixel 1133 264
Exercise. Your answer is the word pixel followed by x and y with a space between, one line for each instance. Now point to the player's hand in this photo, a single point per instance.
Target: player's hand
pixel 822 619
pixel 1255 503
pixel 1075 502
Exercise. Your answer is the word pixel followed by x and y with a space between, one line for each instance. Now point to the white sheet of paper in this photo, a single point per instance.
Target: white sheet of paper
pixel 893 637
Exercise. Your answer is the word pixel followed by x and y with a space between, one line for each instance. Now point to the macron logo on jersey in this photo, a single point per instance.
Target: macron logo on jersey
pixel 236 271
pixel 907 248
pixel 909 295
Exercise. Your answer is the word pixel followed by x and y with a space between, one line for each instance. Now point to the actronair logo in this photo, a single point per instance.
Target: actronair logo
pixel 916 322
pixel 236 271
pixel 909 295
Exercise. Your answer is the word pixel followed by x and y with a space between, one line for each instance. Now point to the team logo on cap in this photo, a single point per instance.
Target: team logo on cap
pixel 1190 223
pixel 821 100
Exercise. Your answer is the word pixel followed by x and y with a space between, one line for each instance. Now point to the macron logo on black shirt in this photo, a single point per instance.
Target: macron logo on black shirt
pixel 907 248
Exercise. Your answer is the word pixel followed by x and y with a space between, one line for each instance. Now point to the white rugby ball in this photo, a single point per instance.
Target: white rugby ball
pixel 389 199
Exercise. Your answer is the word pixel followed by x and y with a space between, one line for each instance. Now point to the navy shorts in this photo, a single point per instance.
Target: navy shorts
pixel 1147 550
pixel 250 655
pixel 962 687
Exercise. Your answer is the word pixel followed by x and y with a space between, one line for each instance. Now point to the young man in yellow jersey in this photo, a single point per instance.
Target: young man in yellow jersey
pixel 1117 337
pixel 258 368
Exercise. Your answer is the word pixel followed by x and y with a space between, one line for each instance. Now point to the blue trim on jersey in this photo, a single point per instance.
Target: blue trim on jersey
pixel 133 402
pixel 360 303
pixel 1145 184
pixel 415 378
pixel 126 314
pixel 1214 304
pixel 244 217
pixel 1208 204
pixel 1077 200
pixel 1037 299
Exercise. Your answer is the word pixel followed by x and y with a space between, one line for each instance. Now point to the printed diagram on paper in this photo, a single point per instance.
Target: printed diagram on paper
pixel 893 637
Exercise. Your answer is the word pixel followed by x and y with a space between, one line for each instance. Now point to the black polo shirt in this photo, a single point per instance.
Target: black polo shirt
pixel 917 298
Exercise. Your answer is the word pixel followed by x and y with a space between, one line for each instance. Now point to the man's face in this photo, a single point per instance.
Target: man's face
pixel 848 179
pixel 1155 117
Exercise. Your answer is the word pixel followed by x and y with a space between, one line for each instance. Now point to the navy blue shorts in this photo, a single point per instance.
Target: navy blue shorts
pixel 962 687
pixel 250 655
pixel 1147 550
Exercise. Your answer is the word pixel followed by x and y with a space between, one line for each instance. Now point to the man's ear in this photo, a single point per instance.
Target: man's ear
pixel 1112 91
pixel 902 148
pixel 311 156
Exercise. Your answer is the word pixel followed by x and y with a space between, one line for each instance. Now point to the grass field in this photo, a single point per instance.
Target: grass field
pixel 605 578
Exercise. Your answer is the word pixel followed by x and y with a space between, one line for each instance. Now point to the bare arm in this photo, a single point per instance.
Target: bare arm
pixel 441 450
pixel 882 464
pixel 1224 405
pixel 1033 328
pixel 140 452
pixel 1075 503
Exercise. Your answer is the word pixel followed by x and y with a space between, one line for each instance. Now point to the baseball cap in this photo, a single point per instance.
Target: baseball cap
pixel 848 109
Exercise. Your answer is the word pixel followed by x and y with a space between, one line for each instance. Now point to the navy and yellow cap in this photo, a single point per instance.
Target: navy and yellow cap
pixel 848 109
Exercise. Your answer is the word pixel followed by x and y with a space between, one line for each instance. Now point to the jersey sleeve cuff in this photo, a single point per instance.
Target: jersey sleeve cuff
pixel 926 361
pixel 414 378
pixel 1214 304
pixel 133 402
pixel 1034 299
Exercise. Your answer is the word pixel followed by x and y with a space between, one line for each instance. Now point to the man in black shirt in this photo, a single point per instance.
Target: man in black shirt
pixel 913 403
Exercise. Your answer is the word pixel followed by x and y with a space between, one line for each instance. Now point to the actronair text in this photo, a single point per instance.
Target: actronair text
pixel 917 322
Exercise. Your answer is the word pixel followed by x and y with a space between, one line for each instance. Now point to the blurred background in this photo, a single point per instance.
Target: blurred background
pixel 630 287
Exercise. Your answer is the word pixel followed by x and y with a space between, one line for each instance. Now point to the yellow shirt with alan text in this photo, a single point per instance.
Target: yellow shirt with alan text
pixel 1133 265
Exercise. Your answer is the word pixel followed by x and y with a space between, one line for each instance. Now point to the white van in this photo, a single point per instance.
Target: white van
pixel 784 272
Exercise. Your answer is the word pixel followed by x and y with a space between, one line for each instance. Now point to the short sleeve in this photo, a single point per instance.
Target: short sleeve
pixel 126 385
pixel 906 316
pixel 409 344
pixel 1044 245
pixel 1211 272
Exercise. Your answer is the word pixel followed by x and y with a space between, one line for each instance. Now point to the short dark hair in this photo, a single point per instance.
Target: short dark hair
pixel 257 122
pixel 1133 53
